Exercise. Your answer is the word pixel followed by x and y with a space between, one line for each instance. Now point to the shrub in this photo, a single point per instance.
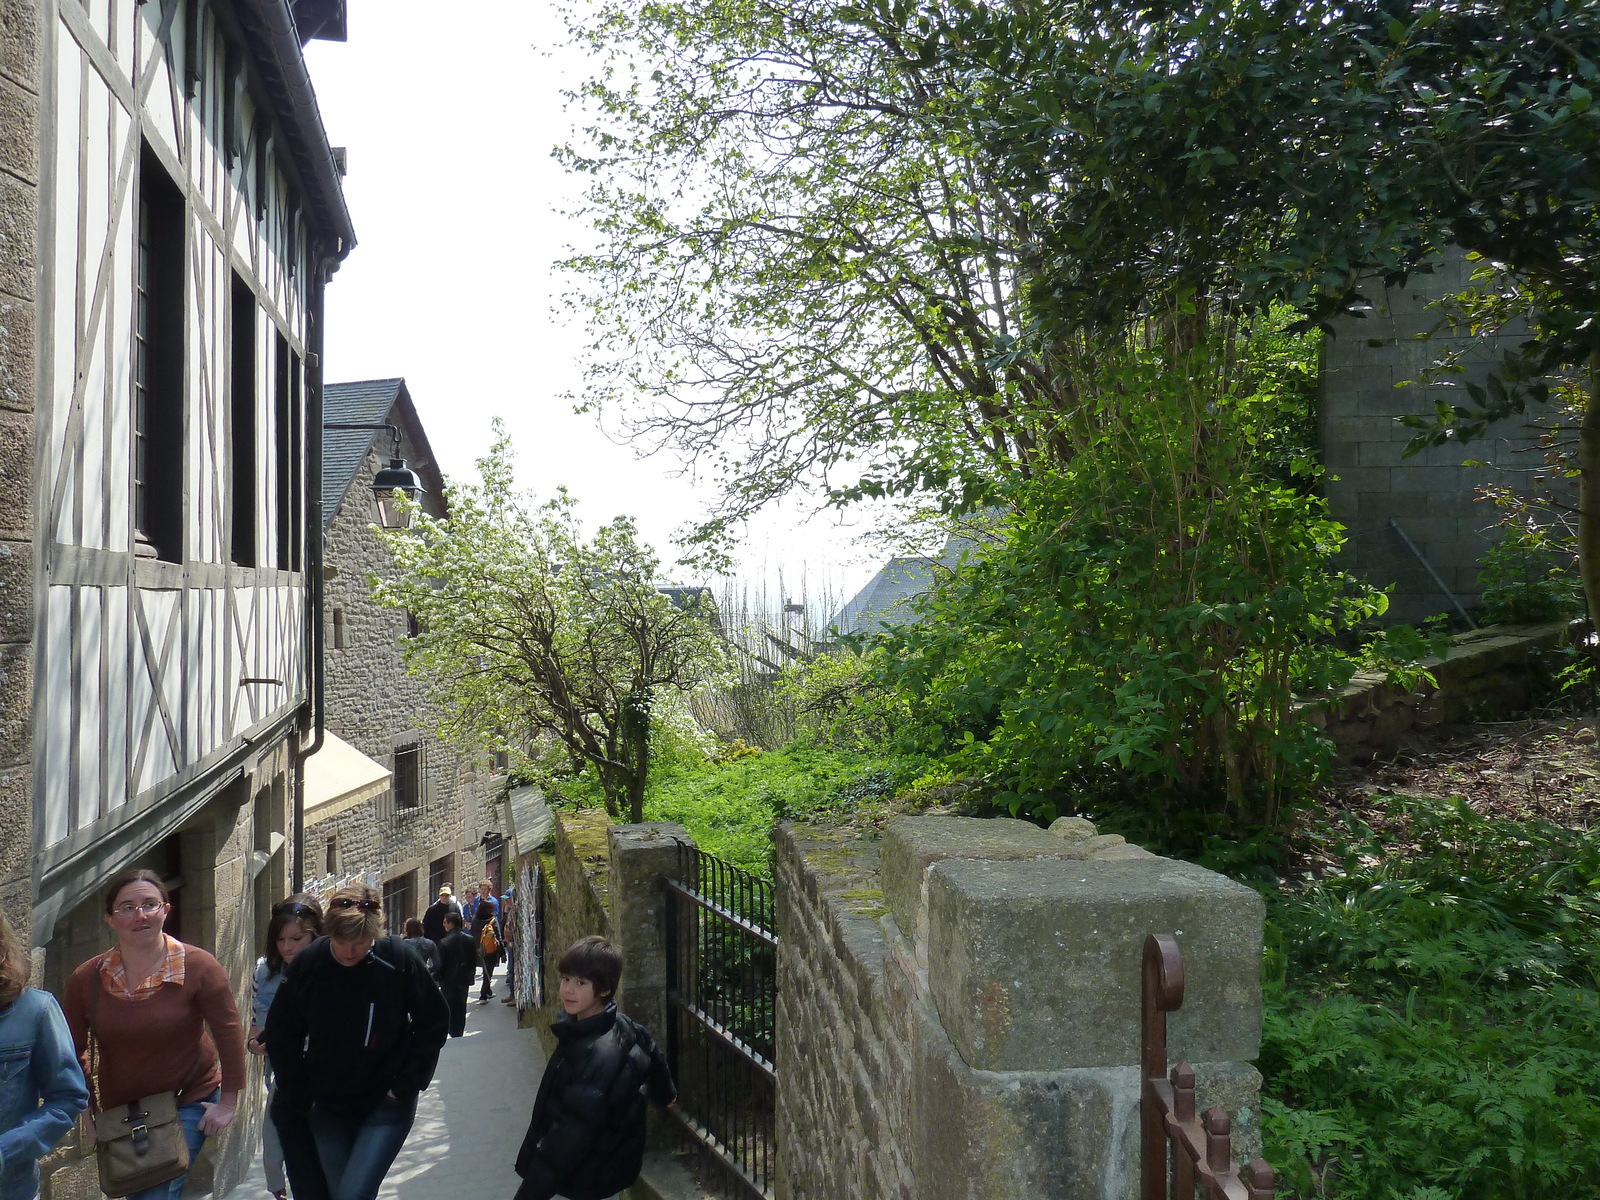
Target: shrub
pixel 1430 1013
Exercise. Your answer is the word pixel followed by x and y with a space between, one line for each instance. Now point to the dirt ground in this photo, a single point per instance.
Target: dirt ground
pixel 1535 768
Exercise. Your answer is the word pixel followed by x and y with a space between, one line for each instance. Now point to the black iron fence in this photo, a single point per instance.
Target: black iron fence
pixel 1201 1149
pixel 721 1013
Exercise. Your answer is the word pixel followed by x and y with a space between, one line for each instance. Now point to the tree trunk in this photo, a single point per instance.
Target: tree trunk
pixel 1589 495
pixel 641 774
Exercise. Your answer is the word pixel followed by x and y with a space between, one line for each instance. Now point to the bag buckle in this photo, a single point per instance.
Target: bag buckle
pixel 141 1139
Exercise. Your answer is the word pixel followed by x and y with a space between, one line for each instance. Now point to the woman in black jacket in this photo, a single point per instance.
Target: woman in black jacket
pixel 354 1035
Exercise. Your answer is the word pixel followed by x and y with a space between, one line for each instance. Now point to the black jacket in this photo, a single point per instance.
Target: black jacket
pixel 458 959
pixel 433 918
pixel 586 1138
pixel 340 1037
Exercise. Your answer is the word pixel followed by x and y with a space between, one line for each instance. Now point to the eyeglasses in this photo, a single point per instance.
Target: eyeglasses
pixel 293 908
pixel 352 902
pixel 145 908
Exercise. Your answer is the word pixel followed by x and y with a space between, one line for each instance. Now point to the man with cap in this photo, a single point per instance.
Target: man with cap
pixel 433 917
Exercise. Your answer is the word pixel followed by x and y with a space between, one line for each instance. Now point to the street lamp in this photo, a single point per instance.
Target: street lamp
pixel 396 477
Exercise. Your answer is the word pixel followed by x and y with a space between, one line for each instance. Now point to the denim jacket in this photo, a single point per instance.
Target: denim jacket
pixel 41 1089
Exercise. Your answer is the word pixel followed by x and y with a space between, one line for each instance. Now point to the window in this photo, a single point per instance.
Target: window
pixel 397 901
pixel 408 777
pixel 287 460
pixel 341 631
pixel 413 626
pixel 441 871
pixel 330 864
pixel 242 342
pixel 156 424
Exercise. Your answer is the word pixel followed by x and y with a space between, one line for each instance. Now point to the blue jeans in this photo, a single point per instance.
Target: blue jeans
pixel 190 1115
pixel 356 1150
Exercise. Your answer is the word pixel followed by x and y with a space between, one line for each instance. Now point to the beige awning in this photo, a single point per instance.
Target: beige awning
pixel 339 777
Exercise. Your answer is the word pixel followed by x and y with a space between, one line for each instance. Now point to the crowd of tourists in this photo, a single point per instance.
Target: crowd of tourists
pixel 147 1051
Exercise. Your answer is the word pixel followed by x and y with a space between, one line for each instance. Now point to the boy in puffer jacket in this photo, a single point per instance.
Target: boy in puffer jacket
pixel 586 1138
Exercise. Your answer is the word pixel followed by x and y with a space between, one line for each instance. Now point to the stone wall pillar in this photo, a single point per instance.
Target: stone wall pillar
pixel 641 857
pixel 968 1028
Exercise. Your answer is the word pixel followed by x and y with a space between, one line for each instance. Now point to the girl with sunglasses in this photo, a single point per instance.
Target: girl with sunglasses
pixel 295 924
pixel 354 1035
pixel 162 1019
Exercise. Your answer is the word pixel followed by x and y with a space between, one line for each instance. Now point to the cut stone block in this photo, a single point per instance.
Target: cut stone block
pixel 1037 965
pixel 912 844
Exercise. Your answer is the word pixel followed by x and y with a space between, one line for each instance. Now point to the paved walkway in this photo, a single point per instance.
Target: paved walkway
pixel 470 1122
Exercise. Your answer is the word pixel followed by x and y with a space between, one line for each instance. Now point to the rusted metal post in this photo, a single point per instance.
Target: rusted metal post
pixel 1219 1141
pixel 1183 1114
pixel 1163 993
pixel 1261 1182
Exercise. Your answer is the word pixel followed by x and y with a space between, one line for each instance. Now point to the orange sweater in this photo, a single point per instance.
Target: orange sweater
pixel 150 1046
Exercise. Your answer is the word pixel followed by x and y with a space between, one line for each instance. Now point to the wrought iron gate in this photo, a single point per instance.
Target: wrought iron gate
pixel 722 994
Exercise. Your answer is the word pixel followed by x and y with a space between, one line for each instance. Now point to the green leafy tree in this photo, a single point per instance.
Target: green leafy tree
pixel 1183 160
pixel 1140 631
pixel 804 277
pixel 527 626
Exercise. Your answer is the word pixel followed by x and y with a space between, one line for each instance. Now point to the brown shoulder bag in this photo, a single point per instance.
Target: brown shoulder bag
pixel 140 1144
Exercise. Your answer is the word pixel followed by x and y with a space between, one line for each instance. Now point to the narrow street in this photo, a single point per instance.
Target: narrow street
pixel 469 1122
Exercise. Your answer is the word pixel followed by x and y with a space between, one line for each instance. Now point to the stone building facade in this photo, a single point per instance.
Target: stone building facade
pixel 429 825
pixel 1383 498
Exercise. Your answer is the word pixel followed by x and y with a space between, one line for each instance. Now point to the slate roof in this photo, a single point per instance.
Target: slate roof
pixel 368 402
pixel 885 601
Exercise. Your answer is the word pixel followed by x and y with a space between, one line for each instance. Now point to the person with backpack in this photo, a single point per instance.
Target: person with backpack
pixel 354 1036
pixel 458 964
pixel 486 932
pixel 585 1140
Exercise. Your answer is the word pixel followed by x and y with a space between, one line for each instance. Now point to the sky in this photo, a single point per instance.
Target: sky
pixel 448 116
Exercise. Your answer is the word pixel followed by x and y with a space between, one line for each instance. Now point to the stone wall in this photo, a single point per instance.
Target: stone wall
pixel 20 63
pixel 1431 496
pixel 577 901
pixel 958 1008
pixel 376 706
pixel 1488 672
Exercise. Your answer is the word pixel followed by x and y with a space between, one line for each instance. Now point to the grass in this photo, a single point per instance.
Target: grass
pixel 730 808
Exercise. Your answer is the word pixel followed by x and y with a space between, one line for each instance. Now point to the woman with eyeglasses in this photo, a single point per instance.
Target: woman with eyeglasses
pixel 161 1017
pixel 295 924
pixel 354 1036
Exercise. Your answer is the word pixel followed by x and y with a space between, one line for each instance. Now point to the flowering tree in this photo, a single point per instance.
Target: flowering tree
pixel 526 626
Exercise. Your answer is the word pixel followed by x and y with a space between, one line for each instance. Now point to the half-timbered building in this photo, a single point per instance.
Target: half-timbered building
pixel 170 211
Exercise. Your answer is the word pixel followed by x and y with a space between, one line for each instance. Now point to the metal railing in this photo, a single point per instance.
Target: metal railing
pixel 721 1013
pixel 1201 1149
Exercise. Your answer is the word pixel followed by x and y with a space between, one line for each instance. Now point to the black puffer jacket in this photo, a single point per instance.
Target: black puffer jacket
pixel 586 1139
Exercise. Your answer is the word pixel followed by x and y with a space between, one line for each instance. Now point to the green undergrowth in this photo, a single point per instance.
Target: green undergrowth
pixel 1431 1012
pixel 730 808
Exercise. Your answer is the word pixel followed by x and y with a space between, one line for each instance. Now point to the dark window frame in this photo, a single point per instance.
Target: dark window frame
pixel 158 381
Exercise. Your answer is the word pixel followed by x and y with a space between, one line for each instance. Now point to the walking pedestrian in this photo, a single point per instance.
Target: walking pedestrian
pixel 295 924
pixel 508 939
pixel 42 1090
pixel 433 916
pixel 424 946
pixel 458 963
pixel 154 1015
pixel 486 932
pixel 354 1036
pixel 585 1140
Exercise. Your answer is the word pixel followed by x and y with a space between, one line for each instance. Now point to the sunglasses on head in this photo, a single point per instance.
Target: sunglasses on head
pixel 293 908
pixel 352 902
